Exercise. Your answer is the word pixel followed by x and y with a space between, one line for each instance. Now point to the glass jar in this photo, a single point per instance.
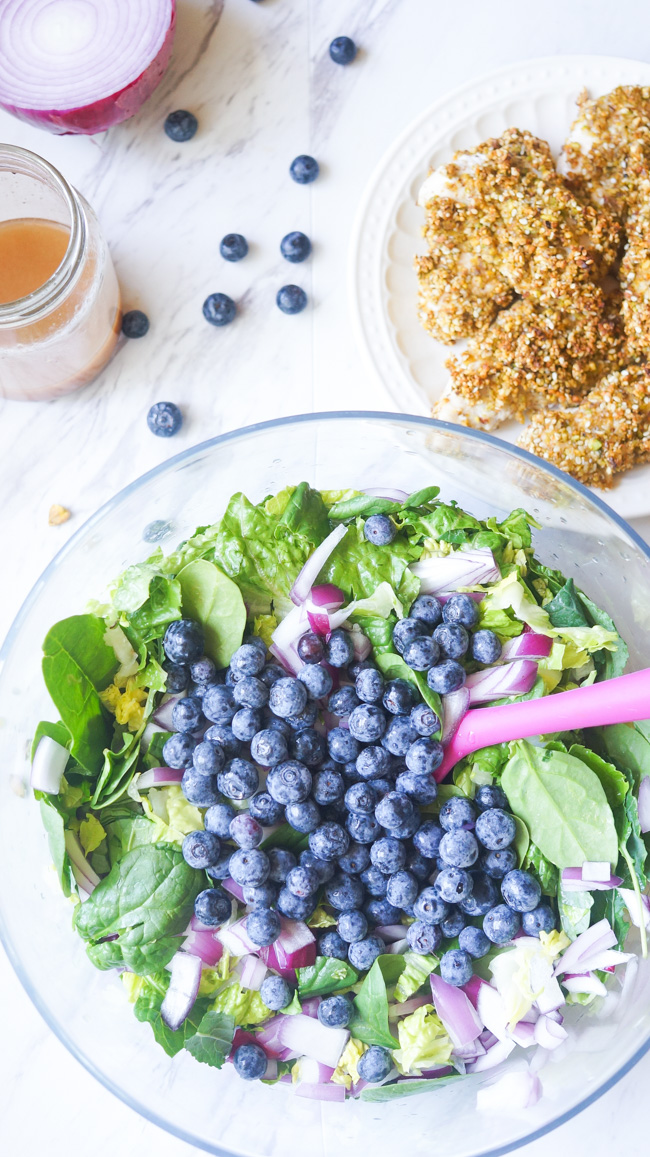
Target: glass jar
pixel 58 337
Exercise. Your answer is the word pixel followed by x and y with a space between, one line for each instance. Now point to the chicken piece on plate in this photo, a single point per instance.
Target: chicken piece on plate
pixel 607 153
pixel 531 357
pixel 607 433
pixel 635 276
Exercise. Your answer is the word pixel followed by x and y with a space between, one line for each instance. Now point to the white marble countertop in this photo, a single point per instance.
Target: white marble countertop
pixel 259 79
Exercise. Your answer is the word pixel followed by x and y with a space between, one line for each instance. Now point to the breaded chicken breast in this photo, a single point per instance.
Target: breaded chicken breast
pixel 607 153
pixel 635 276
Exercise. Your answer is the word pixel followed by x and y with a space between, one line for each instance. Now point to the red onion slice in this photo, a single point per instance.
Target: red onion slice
pixel 584 982
pixel 308 1037
pixel 314 565
pixel 182 991
pixel 235 939
pixel 158 777
pixel 390 932
pixel 523 1034
pixel 310 1005
pixel 492 1057
pixel 528 645
pixel 163 713
pixel 328 596
pixel 457 1013
pixel 643 803
pixel 252 971
pixel 48 766
pixel 455 706
pixel 205 946
pixel 294 948
pixel 80 68
pixel 73 847
pixel 447 573
pixel 596 939
pixel 516 678
pixel 548 1033
pixel 387 492
pixel 235 890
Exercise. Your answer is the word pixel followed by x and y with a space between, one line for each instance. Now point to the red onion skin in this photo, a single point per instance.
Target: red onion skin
pixel 110 110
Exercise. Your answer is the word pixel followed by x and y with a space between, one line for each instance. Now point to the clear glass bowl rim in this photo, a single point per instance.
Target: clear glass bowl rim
pixel 220 439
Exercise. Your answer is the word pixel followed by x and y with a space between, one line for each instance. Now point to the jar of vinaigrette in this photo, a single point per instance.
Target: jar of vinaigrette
pixel 59 297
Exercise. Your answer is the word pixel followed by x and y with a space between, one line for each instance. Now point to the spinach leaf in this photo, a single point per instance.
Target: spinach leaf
pixel 324 976
pixel 146 899
pixel 613 781
pixel 575 911
pixel 424 497
pixel 56 731
pixel 563 803
pixel 392 666
pixel 117 772
pixel 370 1019
pixel 161 607
pixel 212 1041
pixel 631 841
pixel 147 1009
pixel 362 506
pixel 154 756
pixel 405 1088
pixel 627 745
pixel 543 869
pixel 609 664
pixel 448 523
pixel 610 906
pixel 566 609
pixel 521 842
pixel 358 567
pixel 55 828
pixel 77 664
pixel 215 601
pixel 286 837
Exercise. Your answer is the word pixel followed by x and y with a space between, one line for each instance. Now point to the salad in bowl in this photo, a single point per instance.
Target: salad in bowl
pixel 242 801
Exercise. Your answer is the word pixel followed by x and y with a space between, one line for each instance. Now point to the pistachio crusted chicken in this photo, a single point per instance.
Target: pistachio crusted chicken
pixel 548 276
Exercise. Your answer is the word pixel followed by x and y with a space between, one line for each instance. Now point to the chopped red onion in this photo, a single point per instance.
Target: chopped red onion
pixel 310 1005
pixel 407 1006
pixel 548 1033
pixel 205 946
pixel 596 938
pixel 643 804
pixel 235 890
pixel 360 643
pixel 550 998
pixel 390 932
pixel 473 987
pixel 596 870
pixel 269 1037
pixel 309 1038
pixel 326 595
pixel 573 880
pixel 447 573
pixel 398 947
pixel 507 679
pixel 158 777
pixel 637 912
pixel 511 1092
pixel 470 1052
pixel 386 492
pixel 163 713
pixel 457 1013
pixel 271 1073
pixel 523 1034
pixel 455 705
pixel 493 1056
pixel 235 939
pixel 584 982
pixel 319 621
pixel 314 565
pixel 311 1071
pixel 527 646
pixel 48 765
pixel 294 948
pixel 182 991
pixel 285 638
pixel 78 860
pixel 252 971
pixel 492 1011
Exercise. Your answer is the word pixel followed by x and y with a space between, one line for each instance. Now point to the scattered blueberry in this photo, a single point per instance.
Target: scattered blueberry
pixel 302 881
pixel 446 677
pixel 324 868
pixel 219 309
pixel 457 812
pixel 398 697
pixel 271 673
pixel 427 609
pixel 248 659
pixel 495 829
pixel 363 829
pixel 221 869
pixel 430 908
pixel 135 323
pixel 372 762
pixel 539 919
pixel 310 748
pixel 212 906
pixel 485 647
pixel 201 849
pixel 352 926
pixel 375 881
pixel 363 954
pixel 367 723
pixel 250 867
pixel 342 745
pixel 474 941
pixel 250 1062
pixel 375 1064
pixel 233 247
pixel 340 649
pixel 343 51
pixel 328 785
pixel 461 609
pixel 164 419
pixel 335 1011
pixel 379 530
pixel 246 831
pixel 218 819
pixel 289 782
pixel 490 795
pixel 424 756
pixel 382 912
pixel 361 798
pixel 239 779
pixel 221 735
pixel 181 125
pixel 269 747
pixel 304 169
pixel 275 993
pixel 399 735
pixel 418 865
pixel 263 926
pixel 250 691
pixel 521 891
pixel 291 299
pixel 456 967
pixel 422 653
pixel 500 924
pixel 295 247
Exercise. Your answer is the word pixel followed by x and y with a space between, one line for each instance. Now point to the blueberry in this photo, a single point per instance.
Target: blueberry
pixel 221 735
pixel 418 865
pixel 382 912
pixel 374 881
pixel 343 701
pixel 269 747
pixel 375 1064
pixel 340 650
pixel 265 809
pixel 304 169
pixel 221 869
pixel 459 848
pixel 262 896
pixel 452 639
pixel 250 1062
pixel 233 247
pixel 361 798
pixel 212 906
pixel 402 889
pixel 461 609
pixel 219 704
pixel 344 892
pixel 203 670
pixel 456 967
pixel 427 609
pixel 423 938
pixel 289 782
pixel 388 854
pixel 251 692
pixel 453 924
pixel 430 908
pixel 271 673
pixel 422 788
pixel 218 818
pixel 474 942
pixel 287 697
pixel 291 299
pixel 239 779
pixel 363 954
pixel 246 831
pixel 231 677
pixel 324 868
pixel 305 718
pixel 424 756
pixel 251 867
pixel 308 747
pixel 490 795
pixel 181 125
pixel 304 816
pixel 178 750
pixel 135 324
pixel 373 762
pixel 316 679
pixel 352 926
pixel 302 881
pixel 281 862
pixel 446 677
pixel 422 653
pixel 539 919
pixel 453 885
pixel 249 659
pixel 484 895
pixel 367 723
pixel 310 648
pixel 333 945
pixel 343 51
pixel 379 530
pixel 219 309
pixel 201 790
pixel 295 247
pixel 178 677
pixel 521 891
pixel 495 829
pixel 485 647
pixel 457 812
pixel 363 829
pixel 343 747
pixel 501 924
pixel 427 839
pixel 293 907
pixel 201 849
pixel 198 690
pixel 407 631
pixel 399 735
pixel 263 926
pixel 394 809
pixel 335 1011
pixel 329 841
pixel 275 993
pixel 328 785
pixel 350 773
pixel 498 864
pixel 187 714
pixel 369 685
pixel 355 860
pixel 183 641
pixel 273 723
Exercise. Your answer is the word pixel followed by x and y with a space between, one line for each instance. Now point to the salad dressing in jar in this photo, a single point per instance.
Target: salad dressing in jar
pixel 59 297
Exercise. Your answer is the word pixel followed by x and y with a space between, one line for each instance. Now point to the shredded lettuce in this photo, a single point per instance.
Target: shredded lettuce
pixel 346 1072
pixel 358 567
pixel 245 1006
pixel 423 1042
pixel 417 969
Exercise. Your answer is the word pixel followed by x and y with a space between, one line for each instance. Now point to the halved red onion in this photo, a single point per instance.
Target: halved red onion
pixel 163 713
pixel 455 705
pixel 80 68
pixel 457 1013
pixel 573 880
pixel 514 678
pixel 309 1038
pixel 252 971
pixel 158 777
pixel 643 804
pixel 182 991
pixel 596 938
pixel 235 890
pixel 205 946
pixel 388 492
pixel 548 1033
pixel 527 646
pixel 512 1091
pixel 294 948
pixel 445 574
pixel 314 565
pixel 492 1056
pixel 48 765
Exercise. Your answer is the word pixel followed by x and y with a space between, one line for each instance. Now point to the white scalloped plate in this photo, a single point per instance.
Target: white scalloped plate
pixel 538 95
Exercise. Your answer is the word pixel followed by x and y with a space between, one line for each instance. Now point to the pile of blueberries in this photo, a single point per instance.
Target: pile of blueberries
pixel 355 791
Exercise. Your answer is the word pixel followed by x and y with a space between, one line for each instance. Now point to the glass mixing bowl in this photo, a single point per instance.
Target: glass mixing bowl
pixel 87 1009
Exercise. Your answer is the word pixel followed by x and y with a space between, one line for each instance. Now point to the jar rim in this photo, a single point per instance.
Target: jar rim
pixel 38 304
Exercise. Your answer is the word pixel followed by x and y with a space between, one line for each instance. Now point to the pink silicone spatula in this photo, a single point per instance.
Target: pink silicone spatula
pixel 620 700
